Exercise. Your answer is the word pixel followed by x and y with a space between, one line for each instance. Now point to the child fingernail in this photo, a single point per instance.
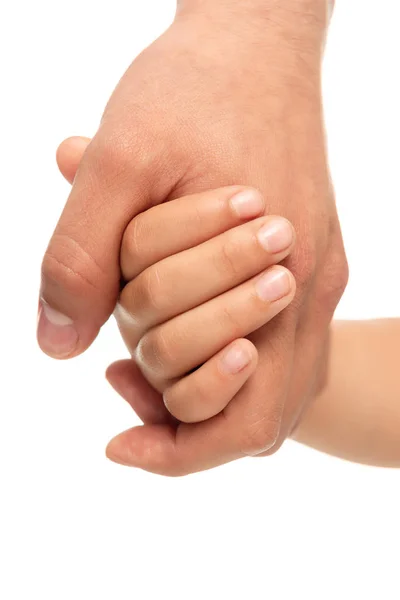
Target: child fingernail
pixel 276 235
pixel 273 285
pixel 235 359
pixel 56 333
pixel 247 204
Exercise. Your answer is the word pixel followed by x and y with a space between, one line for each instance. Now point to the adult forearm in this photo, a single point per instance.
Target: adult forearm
pixel 299 25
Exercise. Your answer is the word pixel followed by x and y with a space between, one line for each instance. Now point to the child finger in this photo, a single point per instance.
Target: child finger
pixel 208 390
pixel 183 281
pixel 174 348
pixel 180 224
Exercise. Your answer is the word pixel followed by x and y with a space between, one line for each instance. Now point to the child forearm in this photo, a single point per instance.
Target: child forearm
pixel 357 417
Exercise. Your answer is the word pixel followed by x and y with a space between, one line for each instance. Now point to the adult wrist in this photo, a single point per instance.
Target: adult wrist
pixel 297 20
pixel 299 10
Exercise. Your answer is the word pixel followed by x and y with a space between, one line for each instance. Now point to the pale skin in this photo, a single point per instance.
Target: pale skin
pixel 229 95
pixel 356 417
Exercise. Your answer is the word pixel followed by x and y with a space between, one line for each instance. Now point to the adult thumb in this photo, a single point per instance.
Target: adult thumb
pixel 80 270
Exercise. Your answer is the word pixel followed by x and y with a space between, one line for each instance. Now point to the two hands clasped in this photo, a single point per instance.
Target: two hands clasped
pixel 202 273
pixel 208 170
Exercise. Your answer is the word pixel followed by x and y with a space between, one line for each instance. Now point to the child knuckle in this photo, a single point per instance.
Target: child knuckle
pixel 173 402
pixel 149 294
pixel 156 354
pixel 132 243
pixel 229 258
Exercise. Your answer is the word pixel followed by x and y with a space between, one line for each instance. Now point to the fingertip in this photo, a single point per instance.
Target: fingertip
pixel 72 146
pixel 118 369
pixel 277 236
pixel 148 447
pixel 292 287
pixel 252 350
pixel 239 357
pixel 276 285
pixel 61 337
pixel 69 155
pixel 57 334
pixel 117 451
pixel 247 203
pixel 292 284
pixel 207 391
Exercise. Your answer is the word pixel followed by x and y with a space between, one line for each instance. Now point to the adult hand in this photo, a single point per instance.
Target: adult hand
pixel 228 95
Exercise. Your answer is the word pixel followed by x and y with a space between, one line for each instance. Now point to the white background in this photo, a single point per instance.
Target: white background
pixel 73 526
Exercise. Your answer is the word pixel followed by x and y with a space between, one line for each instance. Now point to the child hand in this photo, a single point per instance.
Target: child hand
pixel 202 275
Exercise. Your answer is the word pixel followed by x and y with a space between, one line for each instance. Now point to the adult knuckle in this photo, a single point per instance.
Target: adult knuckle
pixel 260 436
pixel 338 276
pixel 120 154
pixel 306 263
pixel 333 281
pixel 112 155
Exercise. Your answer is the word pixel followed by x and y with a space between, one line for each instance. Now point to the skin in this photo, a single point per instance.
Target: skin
pixel 187 307
pixel 356 417
pixel 250 114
